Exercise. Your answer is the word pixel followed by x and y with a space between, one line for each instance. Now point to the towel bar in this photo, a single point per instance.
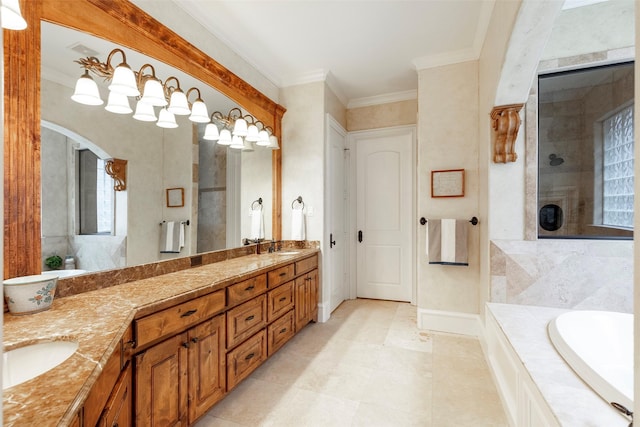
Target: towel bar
pixel 299 200
pixel 473 221
pixel 187 222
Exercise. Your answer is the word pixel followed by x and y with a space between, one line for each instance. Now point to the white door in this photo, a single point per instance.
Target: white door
pixel 384 214
pixel 336 249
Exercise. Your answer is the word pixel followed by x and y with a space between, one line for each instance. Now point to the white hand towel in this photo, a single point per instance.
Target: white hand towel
pixel 447 241
pixel 171 237
pixel 257 224
pixel 297 225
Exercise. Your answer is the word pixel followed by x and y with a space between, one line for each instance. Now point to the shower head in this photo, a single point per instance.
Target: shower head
pixel 555 160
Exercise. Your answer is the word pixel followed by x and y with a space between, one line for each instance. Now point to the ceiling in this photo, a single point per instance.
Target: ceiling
pixel 363 49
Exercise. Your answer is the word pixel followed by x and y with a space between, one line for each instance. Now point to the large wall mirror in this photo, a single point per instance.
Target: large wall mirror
pixel 218 185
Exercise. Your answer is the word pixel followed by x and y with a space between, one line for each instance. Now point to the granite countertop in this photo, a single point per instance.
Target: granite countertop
pixel 97 320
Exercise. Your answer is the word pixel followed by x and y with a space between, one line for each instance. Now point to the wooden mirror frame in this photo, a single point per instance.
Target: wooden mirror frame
pixel 123 23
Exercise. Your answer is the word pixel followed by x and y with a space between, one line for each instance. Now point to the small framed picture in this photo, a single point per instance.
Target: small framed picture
pixel 447 183
pixel 175 197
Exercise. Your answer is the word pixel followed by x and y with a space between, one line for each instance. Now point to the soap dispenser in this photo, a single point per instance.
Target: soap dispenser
pixel 69 263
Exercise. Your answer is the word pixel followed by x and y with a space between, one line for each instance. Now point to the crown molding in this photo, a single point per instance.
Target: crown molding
pixel 383 99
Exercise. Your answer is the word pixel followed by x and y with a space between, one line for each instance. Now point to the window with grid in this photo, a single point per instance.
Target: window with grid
pixel 617 168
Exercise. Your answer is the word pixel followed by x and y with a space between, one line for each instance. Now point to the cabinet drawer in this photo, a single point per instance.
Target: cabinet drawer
pixel 245 320
pixel 180 317
pixel 244 359
pixel 279 301
pixel 279 332
pixel 247 289
pixel 306 264
pixel 281 275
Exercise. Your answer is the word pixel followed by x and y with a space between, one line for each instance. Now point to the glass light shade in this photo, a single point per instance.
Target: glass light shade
pixel 11 17
pixel 211 132
pixel 199 113
pixel 124 81
pixel 252 134
pixel 273 143
pixel 263 138
pixel 225 137
pixel 178 103
pixel 118 103
pixel 153 93
pixel 237 142
pixel 144 112
pixel 166 119
pixel 86 91
pixel 240 128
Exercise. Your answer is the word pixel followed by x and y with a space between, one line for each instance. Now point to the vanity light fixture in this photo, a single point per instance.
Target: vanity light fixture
pixel 144 112
pixel 166 119
pixel 86 91
pixel 118 103
pixel 199 113
pixel 178 103
pixel 153 92
pixel 11 17
pixel 239 131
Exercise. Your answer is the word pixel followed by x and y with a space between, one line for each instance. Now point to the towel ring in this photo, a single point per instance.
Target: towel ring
pixel 259 202
pixel 299 200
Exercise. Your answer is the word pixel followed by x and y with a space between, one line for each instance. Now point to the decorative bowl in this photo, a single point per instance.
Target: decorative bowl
pixel 30 294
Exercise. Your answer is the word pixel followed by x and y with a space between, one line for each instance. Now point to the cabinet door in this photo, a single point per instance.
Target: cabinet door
pixel 313 295
pixel 118 409
pixel 207 366
pixel 302 302
pixel 161 384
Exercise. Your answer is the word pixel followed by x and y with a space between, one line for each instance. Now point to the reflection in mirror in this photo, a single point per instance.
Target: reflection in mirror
pixel 219 182
pixel 585 152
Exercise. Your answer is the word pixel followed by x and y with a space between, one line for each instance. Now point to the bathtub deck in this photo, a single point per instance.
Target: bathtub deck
pixel 571 400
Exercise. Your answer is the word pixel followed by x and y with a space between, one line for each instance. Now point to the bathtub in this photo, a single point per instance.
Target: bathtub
pixel 598 345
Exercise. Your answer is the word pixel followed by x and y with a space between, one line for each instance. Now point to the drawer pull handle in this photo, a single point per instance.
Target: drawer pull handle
pixel 188 313
pixel 283 330
pixel 283 299
pixel 284 273
pixel 249 356
pixel 248 288
pixel 250 318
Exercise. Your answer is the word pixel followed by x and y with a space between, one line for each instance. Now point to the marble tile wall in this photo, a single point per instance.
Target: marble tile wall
pixel 570 274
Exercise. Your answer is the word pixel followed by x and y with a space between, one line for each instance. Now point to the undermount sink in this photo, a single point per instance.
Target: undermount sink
pixel 287 253
pixel 24 363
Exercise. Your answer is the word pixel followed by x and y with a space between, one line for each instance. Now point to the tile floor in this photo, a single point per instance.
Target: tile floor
pixel 367 366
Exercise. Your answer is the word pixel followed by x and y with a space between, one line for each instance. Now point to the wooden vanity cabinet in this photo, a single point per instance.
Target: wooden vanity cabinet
pixel 179 379
pixel 306 290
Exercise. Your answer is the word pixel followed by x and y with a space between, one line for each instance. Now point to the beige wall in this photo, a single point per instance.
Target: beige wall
pixel 447 139
pixel 383 115
pixel 303 155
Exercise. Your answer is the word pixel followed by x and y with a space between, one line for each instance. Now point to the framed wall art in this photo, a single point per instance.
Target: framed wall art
pixel 447 183
pixel 175 197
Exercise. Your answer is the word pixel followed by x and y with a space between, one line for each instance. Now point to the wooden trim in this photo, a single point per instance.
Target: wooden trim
pixel 117 169
pixel 22 249
pixel 124 24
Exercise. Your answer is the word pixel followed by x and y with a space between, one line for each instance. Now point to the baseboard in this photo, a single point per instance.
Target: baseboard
pixel 323 312
pixel 450 321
